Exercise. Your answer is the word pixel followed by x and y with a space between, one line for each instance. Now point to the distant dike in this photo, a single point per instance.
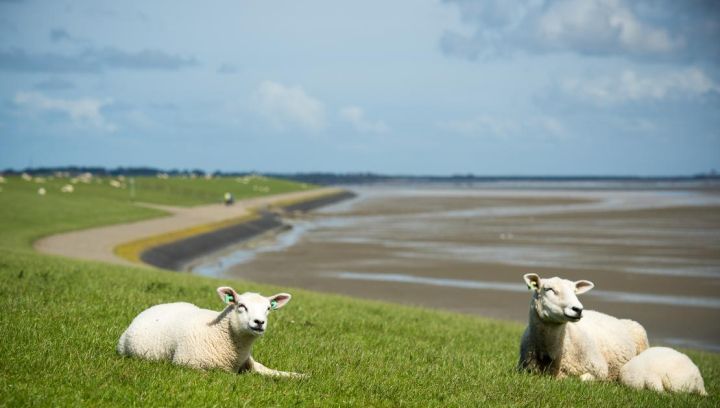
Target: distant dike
pixel 176 254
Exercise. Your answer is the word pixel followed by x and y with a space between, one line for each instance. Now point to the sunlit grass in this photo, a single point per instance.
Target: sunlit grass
pixel 62 318
pixel 27 216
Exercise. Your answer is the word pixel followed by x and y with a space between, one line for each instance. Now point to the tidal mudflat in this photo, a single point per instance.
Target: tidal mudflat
pixel 653 253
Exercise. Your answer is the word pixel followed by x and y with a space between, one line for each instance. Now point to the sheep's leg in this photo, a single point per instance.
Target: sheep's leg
pixel 262 370
pixel 655 383
pixel 597 367
pixel 587 377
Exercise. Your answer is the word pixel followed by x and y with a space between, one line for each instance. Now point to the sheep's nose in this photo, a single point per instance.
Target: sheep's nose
pixel 259 322
pixel 577 310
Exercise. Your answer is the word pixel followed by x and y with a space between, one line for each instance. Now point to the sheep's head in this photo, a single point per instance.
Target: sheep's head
pixel 250 310
pixel 555 299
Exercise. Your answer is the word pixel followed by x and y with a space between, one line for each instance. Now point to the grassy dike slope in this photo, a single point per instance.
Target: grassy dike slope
pixel 61 320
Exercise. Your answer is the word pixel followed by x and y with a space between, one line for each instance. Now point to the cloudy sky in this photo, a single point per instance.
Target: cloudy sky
pixel 538 87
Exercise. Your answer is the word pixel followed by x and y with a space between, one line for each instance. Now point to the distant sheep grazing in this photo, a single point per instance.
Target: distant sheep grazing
pixel 205 339
pixel 663 369
pixel 563 340
pixel 67 188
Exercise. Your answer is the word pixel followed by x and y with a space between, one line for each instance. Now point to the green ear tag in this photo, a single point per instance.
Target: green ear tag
pixel 229 298
pixel 273 304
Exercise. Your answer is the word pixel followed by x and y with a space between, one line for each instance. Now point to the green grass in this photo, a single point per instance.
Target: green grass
pixel 173 191
pixel 62 318
pixel 26 216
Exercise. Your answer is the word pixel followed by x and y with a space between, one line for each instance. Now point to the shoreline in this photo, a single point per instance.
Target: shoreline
pixel 177 254
pixel 122 244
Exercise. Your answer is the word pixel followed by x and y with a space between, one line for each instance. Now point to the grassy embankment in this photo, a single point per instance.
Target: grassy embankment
pixel 61 320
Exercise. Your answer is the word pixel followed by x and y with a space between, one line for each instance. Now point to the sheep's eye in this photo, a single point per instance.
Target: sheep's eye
pixel 551 290
pixel 242 307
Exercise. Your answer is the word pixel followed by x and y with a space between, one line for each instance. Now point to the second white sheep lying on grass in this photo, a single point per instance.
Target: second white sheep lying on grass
pixel 663 369
pixel 563 340
pixel 205 339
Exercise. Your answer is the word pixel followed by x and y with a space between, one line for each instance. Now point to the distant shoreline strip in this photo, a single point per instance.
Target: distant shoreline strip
pixel 174 250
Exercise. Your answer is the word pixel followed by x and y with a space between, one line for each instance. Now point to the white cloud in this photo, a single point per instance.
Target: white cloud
pixel 607 27
pixel 356 117
pixel 533 127
pixel 84 112
pixel 629 86
pixel 600 26
pixel 289 105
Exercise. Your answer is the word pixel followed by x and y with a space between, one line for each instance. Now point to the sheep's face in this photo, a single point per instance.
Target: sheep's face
pixel 250 310
pixel 555 299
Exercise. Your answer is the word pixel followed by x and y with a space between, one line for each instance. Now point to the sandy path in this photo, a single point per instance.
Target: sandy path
pixel 98 244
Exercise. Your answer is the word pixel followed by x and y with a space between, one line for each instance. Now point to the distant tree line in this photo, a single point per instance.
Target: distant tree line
pixel 327 178
pixel 102 171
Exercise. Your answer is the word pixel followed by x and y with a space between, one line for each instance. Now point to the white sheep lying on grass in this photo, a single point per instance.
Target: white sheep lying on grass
pixel 663 369
pixel 563 340
pixel 205 339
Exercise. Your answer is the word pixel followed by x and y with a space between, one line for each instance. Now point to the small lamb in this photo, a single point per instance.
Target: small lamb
pixel 562 340
pixel 205 339
pixel 663 369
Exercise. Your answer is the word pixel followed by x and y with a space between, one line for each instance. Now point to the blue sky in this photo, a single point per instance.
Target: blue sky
pixel 581 87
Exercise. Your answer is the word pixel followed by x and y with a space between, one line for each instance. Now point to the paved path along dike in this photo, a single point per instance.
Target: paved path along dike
pixel 98 244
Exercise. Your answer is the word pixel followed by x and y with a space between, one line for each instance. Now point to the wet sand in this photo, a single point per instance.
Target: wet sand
pixel 177 254
pixel 654 256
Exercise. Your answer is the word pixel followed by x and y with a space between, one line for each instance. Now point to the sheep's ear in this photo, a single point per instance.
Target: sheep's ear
pixel 227 294
pixel 583 286
pixel 532 280
pixel 279 300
